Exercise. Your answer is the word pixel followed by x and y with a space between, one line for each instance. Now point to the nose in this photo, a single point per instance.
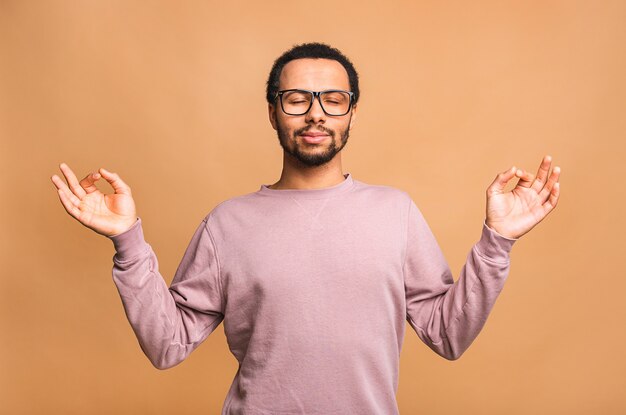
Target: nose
pixel 316 113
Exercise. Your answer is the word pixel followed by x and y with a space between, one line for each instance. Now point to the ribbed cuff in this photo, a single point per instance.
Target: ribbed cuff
pixel 130 243
pixel 493 245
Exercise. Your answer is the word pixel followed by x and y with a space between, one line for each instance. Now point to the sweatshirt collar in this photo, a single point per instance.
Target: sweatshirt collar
pixel 321 193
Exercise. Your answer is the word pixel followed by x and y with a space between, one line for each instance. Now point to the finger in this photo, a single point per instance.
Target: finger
pixel 547 189
pixel 553 199
pixel 116 182
pixel 67 203
pixel 88 183
pixel 72 181
pixel 499 183
pixel 62 188
pixel 542 174
pixel 525 178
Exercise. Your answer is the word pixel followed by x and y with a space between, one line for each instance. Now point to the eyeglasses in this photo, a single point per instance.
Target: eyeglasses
pixel 334 102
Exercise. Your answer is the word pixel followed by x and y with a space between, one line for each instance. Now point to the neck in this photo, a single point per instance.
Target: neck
pixel 297 176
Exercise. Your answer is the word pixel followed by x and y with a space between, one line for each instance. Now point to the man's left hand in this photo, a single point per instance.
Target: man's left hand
pixel 514 213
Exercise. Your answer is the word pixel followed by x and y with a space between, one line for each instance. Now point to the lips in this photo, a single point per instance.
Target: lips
pixel 314 138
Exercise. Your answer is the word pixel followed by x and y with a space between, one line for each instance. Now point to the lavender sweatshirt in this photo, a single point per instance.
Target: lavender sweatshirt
pixel 314 288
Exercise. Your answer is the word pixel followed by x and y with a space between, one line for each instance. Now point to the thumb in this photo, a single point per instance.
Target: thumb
pixel 499 183
pixel 88 182
pixel 115 181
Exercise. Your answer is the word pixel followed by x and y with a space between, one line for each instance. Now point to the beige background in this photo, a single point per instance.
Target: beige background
pixel 171 97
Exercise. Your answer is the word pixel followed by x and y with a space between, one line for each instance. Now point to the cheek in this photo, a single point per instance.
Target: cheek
pixel 282 124
pixel 288 125
pixel 340 127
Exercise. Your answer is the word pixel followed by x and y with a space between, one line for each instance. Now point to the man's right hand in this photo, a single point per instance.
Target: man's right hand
pixel 106 214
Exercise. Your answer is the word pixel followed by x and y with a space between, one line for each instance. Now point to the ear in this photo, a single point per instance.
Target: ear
pixel 352 117
pixel 271 112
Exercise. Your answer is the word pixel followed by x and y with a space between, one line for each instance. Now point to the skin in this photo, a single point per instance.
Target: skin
pixel 106 214
pixel 514 213
pixel 511 214
pixel 314 75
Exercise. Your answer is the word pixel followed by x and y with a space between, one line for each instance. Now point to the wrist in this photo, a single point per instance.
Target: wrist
pixel 499 231
pixel 125 227
pixel 130 244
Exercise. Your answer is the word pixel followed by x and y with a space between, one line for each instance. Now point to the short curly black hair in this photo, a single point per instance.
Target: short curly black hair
pixel 313 50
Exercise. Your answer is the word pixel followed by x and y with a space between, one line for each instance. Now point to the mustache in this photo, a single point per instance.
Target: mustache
pixel 319 128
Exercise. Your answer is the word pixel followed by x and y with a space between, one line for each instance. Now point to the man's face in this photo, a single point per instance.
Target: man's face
pixel 297 133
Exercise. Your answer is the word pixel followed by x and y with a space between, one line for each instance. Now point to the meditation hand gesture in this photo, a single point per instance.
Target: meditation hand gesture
pixel 106 214
pixel 514 213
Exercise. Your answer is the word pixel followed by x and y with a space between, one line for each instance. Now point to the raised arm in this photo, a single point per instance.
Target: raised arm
pixel 169 322
pixel 448 315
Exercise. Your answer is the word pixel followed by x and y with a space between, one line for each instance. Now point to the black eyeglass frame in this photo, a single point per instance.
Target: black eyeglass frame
pixel 315 94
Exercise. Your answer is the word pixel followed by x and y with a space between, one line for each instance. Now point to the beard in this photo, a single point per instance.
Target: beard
pixel 312 158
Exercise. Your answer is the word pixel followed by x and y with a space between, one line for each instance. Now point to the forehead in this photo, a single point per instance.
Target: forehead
pixel 314 74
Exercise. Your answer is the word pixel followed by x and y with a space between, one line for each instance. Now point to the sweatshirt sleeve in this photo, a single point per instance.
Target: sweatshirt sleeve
pixel 446 315
pixel 169 322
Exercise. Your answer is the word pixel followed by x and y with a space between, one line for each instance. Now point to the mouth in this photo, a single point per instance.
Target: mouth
pixel 314 137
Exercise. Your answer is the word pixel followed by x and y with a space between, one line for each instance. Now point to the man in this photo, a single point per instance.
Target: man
pixel 315 275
